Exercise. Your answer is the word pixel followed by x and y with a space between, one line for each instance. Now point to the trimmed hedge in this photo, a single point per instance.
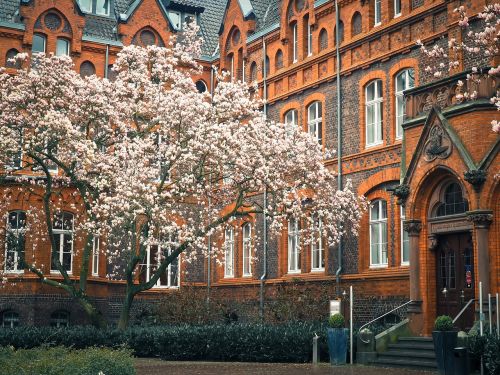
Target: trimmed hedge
pixel 63 361
pixel 233 342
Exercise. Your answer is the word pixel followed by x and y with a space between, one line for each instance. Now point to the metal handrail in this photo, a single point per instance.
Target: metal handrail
pixel 380 317
pixel 463 310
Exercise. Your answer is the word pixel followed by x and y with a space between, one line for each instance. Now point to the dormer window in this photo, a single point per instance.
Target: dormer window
pixel 179 19
pixel 99 7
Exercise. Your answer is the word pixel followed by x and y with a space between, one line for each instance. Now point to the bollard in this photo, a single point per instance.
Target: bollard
pixel 315 349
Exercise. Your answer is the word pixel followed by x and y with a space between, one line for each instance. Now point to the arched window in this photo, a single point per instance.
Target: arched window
pixel 62 231
pixel 378 233
pixel 253 72
pixel 309 36
pixel 268 66
pixel 295 43
pixel 356 24
pixel 293 246
pixel 111 73
pixel 201 86
pixel 404 80
pixel 62 47
pixel 317 253
pixel 315 121
pixel 15 241
pixel 373 108
pixel 292 117
pixel 87 69
pixel 147 37
pixel 323 39
pixel 278 60
pixel 453 202
pixel 229 252
pixel 341 31
pixel 9 56
pixel 59 319
pixel 10 319
pixel 39 43
pixel 247 249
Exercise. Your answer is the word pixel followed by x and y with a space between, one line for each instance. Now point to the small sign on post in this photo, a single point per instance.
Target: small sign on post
pixel 335 305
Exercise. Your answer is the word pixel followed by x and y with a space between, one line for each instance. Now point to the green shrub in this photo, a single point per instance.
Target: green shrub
pixel 62 361
pixel 336 321
pixel 443 323
pixel 487 346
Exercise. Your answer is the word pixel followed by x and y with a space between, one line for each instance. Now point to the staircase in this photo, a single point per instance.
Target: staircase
pixel 409 352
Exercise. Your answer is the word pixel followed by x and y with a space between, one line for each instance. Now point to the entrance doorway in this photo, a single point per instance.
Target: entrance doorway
pixel 455 277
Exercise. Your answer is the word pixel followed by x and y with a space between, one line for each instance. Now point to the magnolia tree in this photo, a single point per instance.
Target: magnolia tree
pixel 482 42
pixel 150 169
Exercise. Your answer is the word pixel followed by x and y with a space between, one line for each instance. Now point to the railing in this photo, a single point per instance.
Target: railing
pixel 377 318
pixel 463 310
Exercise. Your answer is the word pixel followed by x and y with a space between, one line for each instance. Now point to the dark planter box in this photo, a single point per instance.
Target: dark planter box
pixel 444 343
pixel 337 345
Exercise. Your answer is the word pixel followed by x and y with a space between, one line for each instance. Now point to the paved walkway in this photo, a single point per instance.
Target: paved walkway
pixel 157 367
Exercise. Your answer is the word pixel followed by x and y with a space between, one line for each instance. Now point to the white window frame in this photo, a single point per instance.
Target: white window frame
pixel 247 250
pixel 291 117
pixel 229 252
pixel 176 22
pixel 309 40
pixel 315 121
pixel 400 117
pixel 381 226
pixel 397 4
pixel 66 52
pixel 295 42
pixel 378 13
pixel 95 255
pixel 106 12
pixel 404 238
pixel 375 105
pixel 86 5
pixel 44 38
pixel 17 232
pixel 293 246
pixel 149 263
pixel 62 233
pixel 317 245
pixel 232 67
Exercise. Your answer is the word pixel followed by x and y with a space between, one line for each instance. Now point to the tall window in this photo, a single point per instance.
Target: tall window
pixel 62 231
pixel 291 117
pixel 404 81
pixel 378 12
pixel 253 72
pixel 229 253
pixel 247 250
pixel 397 8
pixel 309 40
pixel 323 39
pixel 315 121
pixel 405 240
pixel 59 318
pixel 293 246
pixel 278 62
pixel 14 250
pixel 39 43
pixel 95 255
pixel 231 66
pixel 10 319
pixel 62 47
pixel 378 233
pixel 295 44
pixel 373 107
pixel 317 253
pixel 154 257
pixel 87 69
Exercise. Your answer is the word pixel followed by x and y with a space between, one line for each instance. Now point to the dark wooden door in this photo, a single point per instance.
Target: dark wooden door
pixel 455 277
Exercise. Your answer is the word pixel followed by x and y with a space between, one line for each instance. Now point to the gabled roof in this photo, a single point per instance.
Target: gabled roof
pixel 8 9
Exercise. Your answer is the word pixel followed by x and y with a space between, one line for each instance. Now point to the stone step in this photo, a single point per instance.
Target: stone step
pixel 415 339
pixel 406 362
pixel 409 354
pixel 412 346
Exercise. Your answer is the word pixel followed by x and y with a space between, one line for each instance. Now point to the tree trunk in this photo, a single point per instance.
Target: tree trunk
pixel 125 314
pixel 95 316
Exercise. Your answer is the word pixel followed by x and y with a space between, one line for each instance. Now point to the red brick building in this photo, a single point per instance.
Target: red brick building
pixel 424 165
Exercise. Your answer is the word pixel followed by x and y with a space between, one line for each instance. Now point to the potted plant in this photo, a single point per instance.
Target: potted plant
pixel 445 340
pixel 337 339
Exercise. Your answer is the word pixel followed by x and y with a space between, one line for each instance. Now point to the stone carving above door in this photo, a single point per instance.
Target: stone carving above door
pixel 438 145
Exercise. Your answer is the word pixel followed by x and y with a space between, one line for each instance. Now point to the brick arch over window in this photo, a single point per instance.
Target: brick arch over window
pixel 289 106
pixel 356 24
pixel 323 40
pixel 367 78
pixel 147 36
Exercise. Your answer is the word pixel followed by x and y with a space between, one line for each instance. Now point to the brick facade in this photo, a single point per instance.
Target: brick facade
pixel 368 52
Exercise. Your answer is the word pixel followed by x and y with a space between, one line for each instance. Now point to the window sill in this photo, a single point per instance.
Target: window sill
pixel 397 15
pixel 405 264
pixel 377 24
pixel 378 266
pixel 292 272
pixel 317 270
pixel 247 275
pixel 52 272
pixel 165 287
pixel 12 272
pixel 373 145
